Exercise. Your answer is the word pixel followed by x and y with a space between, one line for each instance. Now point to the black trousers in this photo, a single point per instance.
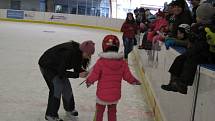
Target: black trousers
pixel 58 87
pixel 184 66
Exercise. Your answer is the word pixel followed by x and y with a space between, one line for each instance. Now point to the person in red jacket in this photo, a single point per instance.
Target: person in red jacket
pixel 109 71
pixel 157 30
pixel 129 29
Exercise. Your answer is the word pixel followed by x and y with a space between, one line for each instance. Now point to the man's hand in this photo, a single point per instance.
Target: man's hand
pixel 83 74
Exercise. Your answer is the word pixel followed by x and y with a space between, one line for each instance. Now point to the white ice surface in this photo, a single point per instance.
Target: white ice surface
pixel 23 91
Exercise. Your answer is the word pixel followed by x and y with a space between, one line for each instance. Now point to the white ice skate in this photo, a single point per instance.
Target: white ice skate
pixel 72 113
pixel 49 118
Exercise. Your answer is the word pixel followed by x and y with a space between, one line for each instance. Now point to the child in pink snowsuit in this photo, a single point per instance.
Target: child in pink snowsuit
pixel 159 27
pixel 109 71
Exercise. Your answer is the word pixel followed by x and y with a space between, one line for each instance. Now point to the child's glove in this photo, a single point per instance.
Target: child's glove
pixel 88 84
pixel 169 42
pixel 210 36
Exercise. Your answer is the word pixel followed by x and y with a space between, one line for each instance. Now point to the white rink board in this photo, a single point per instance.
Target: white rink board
pixel 175 106
pixel 70 19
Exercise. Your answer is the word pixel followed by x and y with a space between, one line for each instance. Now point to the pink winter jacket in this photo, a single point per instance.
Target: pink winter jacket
pixel 156 26
pixel 109 71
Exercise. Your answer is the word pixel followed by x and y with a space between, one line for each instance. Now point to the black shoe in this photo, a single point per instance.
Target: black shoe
pixel 181 88
pixel 169 87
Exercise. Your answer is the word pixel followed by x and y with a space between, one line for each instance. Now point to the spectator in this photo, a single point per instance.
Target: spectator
pixel 159 22
pixel 142 23
pixel 184 66
pixel 136 12
pixel 167 11
pixel 195 4
pixel 170 17
pixel 149 16
pixel 181 16
pixel 158 26
pixel 141 18
pixel 182 37
pixel 129 29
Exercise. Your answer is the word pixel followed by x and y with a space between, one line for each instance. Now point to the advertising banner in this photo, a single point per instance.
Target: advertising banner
pixel 17 14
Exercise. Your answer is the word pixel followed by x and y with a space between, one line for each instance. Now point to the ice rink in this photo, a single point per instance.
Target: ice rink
pixel 23 91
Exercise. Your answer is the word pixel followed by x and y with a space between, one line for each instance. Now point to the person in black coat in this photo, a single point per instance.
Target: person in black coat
pixel 184 66
pixel 55 65
pixel 195 4
pixel 181 16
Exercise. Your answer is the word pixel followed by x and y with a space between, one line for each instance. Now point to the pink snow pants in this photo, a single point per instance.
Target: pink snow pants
pixel 111 112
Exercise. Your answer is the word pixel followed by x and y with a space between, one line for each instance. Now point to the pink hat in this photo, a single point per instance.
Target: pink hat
pixel 88 47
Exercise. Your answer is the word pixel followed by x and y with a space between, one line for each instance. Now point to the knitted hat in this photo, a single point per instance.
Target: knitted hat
pixel 88 47
pixel 110 41
pixel 205 11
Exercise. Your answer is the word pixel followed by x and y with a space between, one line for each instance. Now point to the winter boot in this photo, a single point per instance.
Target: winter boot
pixel 171 86
pixel 181 88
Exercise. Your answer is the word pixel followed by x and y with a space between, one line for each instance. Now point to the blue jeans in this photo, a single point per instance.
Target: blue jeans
pixel 128 46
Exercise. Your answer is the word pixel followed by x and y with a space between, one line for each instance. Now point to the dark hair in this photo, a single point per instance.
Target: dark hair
pixel 85 63
pixel 179 3
pixel 112 49
pixel 130 21
pixel 182 30
pixel 142 10
pixel 136 11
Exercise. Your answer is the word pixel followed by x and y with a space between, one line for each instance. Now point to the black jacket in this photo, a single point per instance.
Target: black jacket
pixel 198 39
pixel 194 14
pixel 61 58
pixel 183 18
